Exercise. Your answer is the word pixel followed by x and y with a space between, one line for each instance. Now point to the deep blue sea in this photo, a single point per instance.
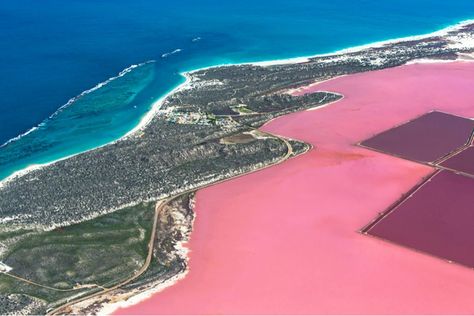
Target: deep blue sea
pixel 54 52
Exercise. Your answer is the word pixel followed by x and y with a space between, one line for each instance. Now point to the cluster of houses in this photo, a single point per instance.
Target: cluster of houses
pixel 195 117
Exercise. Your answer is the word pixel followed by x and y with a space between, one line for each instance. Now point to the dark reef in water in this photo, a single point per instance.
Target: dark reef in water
pixel 173 154
pixel 204 132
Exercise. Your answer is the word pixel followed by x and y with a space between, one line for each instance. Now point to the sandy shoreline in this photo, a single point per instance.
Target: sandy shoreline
pixel 145 120
pixel 305 89
pixel 369 276
pixel 155 107
pixel 352 49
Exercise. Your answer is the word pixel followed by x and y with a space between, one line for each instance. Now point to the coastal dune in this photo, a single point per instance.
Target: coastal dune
pixel 287 240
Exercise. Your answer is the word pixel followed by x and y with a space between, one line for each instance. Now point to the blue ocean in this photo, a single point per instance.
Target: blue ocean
pixel 77 74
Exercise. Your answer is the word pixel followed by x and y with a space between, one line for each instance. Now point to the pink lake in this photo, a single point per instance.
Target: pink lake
pixel 285 240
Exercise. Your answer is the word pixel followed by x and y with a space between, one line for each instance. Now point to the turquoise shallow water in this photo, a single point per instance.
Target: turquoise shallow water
pixel 52 51
pixel 93 112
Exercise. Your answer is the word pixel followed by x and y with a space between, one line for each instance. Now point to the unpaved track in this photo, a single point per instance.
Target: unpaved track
pixel 159 206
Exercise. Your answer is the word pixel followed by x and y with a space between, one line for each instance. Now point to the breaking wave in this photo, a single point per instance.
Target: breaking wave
pixel 74 99
pixel 171 53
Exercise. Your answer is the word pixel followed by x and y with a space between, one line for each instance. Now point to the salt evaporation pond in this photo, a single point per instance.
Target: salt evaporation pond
pixel 285 240
pixel 436 219
pixel 426 138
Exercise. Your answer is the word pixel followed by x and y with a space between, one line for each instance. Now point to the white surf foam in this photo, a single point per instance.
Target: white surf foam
pixel 171 53
pixel 458 41
pixel 72 100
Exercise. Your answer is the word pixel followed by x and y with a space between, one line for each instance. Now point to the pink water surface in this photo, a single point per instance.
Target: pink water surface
pixel 436 219
pixel 286 240
pixel 463 161
pixel 428 138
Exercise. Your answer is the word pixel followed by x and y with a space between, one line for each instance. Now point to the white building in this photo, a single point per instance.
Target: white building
pixel 4 268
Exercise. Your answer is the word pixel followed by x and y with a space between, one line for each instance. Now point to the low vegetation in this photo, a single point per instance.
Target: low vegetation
pixel 77 259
